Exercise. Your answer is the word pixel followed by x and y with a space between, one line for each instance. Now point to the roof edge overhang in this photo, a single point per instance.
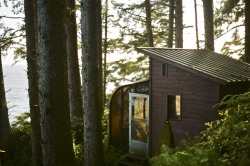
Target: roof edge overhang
pixel 187 68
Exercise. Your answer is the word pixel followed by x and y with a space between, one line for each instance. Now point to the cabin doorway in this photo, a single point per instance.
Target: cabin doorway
pixel 138 124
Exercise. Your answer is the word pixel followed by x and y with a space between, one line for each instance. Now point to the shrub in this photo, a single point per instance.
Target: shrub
pixel 20 153
pixel 110 153
pixel 225 142
pixel 19 149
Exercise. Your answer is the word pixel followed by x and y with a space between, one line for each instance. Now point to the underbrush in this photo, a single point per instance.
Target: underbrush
pixel 225 142
pixel 19 148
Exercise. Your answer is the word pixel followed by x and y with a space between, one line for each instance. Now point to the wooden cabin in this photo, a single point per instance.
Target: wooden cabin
pixel 184 87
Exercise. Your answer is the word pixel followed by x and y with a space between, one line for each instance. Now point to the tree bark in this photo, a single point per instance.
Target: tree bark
pixel 4 117
pixel 57 146
pixel 209 24
pixel 105 54
pixel 178 24
pixel 91 74
pixel 31 44
pixel 75 94
pixel 247 31
pixel 148 23
pixel 171 24
pixel 196 25
pixel 99 34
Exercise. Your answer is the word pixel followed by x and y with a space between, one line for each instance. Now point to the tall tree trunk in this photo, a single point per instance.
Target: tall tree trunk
pixel 209 24
pixel 4 117
pixel 92 91
pixel 196 25
pixel 148 23
pixel 105 54
pixel 99 34
pixel 178 24
pixel 75 94
pixel 57 143
pixel 171 24
pixel 31 44
pixel 247 31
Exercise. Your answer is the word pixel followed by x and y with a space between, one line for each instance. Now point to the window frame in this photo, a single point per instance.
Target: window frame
pixel 164 69
pixel 169 116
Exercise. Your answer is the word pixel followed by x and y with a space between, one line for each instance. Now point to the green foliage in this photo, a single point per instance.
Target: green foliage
pixel 111 154
pixel 225 142
pixel 20 52
pixel 105 122
pixel 130 20
pixel 13 36
pixel 78 150
pixel 77 130
pixel 230 136
pixel 77 135
pixel 229 17
pixel 229 13
pixel 19 151
pixel 17 6
pixel 128 70
pixel 237 42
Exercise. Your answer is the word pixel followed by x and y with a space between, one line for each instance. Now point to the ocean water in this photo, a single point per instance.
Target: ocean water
pixel 16 86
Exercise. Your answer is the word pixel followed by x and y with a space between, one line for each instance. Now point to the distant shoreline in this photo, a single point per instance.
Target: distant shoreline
pixel 16 87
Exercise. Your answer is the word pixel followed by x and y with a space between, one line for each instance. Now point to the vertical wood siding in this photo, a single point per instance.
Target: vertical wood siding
pixel 198 96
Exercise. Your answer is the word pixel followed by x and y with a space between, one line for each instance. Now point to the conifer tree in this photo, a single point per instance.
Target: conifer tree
pixel 31 46
pixel 178 24
pixel 105 49
pixel 4 117
pixel 149 24
pixel 57 145
pixel 92 81
pixel 209 24
pixel 229 18
pixel 131 20
pixel 247 31
pixel 171 23
pixel 75 95
pixel 196 25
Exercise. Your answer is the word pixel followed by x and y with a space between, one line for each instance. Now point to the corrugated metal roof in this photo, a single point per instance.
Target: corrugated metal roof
pixel 206 63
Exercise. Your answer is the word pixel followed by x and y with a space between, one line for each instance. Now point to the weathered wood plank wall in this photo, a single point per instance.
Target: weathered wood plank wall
pixel 198 95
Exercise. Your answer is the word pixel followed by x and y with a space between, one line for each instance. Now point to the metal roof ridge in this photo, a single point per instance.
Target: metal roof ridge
pixel 172 48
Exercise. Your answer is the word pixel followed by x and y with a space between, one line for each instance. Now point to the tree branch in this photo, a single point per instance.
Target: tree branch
pixel 229 30
pixel 10 38
pixel 11 17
